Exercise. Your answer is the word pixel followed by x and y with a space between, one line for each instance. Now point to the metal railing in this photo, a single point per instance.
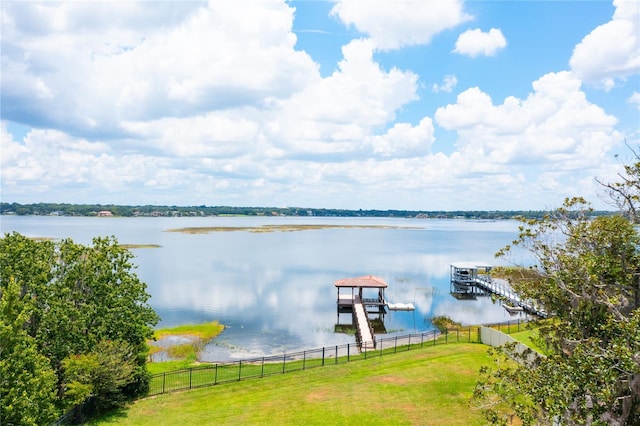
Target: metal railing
pixel 225 372
pixel 218 373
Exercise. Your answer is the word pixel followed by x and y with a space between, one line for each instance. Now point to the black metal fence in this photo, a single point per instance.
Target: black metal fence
pixel 77 415
pixel 218 373
pixel 214 374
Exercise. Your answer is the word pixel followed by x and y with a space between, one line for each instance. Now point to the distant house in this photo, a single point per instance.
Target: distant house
pixel 104 213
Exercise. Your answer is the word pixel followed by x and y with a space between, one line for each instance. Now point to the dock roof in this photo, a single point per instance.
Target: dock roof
pixel 368 281
pixel 470 265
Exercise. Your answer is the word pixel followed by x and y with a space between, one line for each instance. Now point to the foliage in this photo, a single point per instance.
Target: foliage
pixel 587 276
pixel 63 209
pixel 625 193
pixel 443 323
pixel 27 382
pixel 205 331
pixel 79 297
pixel 101 373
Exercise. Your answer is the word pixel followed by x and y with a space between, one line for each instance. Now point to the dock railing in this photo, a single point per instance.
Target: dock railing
pixel 233 371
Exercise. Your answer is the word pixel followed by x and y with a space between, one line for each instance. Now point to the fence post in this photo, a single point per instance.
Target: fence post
pixel 240 370
pixel 409 344
pixel 446 335
pixel 284 360
pixel 164 379
pixel 457 335
pixel 395 345
pixel 336 354
pixel 381 340
pixel 304 360
pixel 434 337
pixel 323 356
pixel 215 379
pixel 348 352
pixel 421 339
pixel 190 374
pixel 262 368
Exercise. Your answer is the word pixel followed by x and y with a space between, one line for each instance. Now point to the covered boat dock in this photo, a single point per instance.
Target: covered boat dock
pixel 360 306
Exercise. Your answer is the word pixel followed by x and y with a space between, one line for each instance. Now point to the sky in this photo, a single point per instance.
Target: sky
pixel 351 104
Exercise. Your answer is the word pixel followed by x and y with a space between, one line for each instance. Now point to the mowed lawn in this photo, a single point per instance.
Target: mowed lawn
pixel 429 386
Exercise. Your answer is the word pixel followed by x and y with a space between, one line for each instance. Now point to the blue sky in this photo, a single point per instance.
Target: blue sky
pixel 420 105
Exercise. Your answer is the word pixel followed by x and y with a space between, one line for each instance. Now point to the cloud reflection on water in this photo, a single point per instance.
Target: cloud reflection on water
pixel 274 291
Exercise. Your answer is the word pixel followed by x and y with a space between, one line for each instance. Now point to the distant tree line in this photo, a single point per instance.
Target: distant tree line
pixel 63 209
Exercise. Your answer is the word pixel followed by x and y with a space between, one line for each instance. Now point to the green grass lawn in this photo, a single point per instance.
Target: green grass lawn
pixel 529 337
pixel 422 386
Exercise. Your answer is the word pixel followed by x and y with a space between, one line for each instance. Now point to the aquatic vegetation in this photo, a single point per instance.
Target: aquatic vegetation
pixel 277 228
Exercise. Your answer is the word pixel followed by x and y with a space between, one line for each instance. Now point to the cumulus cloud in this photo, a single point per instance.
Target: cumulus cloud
pixel 404 140
pixel 448 84
pixel 335 113
pixel 476 43
pixel 394 24
pixel 555 127
pixel 219 56
pixel 612 50
pixel 214 102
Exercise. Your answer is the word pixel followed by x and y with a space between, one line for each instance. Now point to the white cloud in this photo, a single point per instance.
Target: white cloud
pixel 217 134
pixel 221 56
pixel 475 42
pixel 404 140
pixel 208 103
pixel 448 84
pixel 634 99
pixel 10 150
pixel 612 50
pixel 393 24
pixel 49 156
pixel 555 127
pixel 334 114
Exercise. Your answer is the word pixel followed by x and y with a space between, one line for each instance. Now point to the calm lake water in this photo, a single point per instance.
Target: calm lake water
pixel 274 291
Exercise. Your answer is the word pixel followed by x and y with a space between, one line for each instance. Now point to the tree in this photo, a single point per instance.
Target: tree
pixel 102 374
pixel 27 382
pixel 81 296
pixel 587 277
pixel 625 193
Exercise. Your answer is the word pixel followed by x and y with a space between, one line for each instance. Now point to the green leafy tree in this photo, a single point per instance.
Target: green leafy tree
pixel 81 296
pixel 102 374
pixel 585 275
pixel 27 382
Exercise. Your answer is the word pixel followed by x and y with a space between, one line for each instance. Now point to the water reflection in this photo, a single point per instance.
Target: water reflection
pixel 274 291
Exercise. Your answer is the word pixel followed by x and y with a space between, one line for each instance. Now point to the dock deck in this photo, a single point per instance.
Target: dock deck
pixel 357 305
pixel 366 339
pixel 465 277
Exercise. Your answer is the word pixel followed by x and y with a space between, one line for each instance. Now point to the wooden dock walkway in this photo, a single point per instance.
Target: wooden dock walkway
pixel 365 334
pixel 505 292
pixel 465 277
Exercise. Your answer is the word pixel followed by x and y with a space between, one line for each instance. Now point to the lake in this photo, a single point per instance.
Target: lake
pixel 274 291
